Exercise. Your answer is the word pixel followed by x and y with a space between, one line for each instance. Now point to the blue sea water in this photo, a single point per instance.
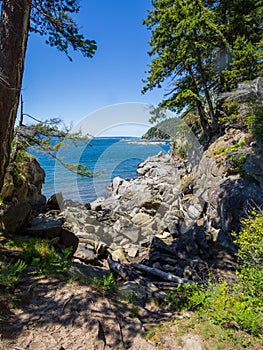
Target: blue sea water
pixel 106 156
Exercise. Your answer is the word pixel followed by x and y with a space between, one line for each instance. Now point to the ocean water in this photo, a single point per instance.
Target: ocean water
pixel 107 157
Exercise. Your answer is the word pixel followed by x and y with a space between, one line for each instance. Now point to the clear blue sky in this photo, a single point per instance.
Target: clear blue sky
pixel 55 87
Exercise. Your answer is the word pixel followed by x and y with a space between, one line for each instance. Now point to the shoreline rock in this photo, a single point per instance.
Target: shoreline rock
pixel 21 195
pixel 176 216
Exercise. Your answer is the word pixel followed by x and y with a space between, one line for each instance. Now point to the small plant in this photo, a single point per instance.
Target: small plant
pixel 41 257
pixel 188 179
pixel 180 296
pixel 230 113
pixel 254 120
pixel 238 161
pixel 22 156
pixel 106 283
pixel 9 273
pixel 233 154
pixel 182 152
pixel 229 149
pixel 131 298
pixel 153 333
pixel 54 264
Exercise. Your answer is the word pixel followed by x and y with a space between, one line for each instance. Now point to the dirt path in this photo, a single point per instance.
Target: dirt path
pixel 55 315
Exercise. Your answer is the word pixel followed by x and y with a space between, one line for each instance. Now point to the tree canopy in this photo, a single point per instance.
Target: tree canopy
pixel 202 48
pixel 54 20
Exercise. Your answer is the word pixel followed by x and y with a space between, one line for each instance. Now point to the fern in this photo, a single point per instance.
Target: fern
pixel 9 274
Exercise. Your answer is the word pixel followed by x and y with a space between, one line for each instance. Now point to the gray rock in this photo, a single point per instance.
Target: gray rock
pixel 119 255
pixel 131 290
pixel 253 167
pixel 116 183
pixel 13 218
pixel 132 251
pixel 44 226
pixel 55 202
pixel 84 253
pixel 193 212
pixel 97 204
pixel 185 247
pixel 89 228
pixel 163 235
pixel 67 239
pixel 133 234
pixel 141 218
pixel 158 245
pixel 124 241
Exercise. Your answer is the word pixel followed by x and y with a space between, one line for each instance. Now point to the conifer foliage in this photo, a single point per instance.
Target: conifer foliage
pixel 202 48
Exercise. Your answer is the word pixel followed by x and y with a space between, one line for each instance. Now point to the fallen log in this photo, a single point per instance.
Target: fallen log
pixel 167 276
pixel 128 274
pixel 122 270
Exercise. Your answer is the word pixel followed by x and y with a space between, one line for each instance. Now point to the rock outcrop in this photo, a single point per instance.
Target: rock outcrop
pixel 177 216
pixel 21 195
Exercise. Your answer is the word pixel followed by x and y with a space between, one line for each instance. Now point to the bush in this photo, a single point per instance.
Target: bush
pixel 254 120
pixel 105 283
pixel 250 254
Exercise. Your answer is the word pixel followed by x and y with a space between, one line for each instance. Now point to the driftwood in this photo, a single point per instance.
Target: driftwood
pixel 128 274
pixel 122 270
pixel 159 273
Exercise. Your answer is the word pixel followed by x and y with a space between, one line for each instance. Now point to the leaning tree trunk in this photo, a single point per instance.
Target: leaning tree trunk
pixel 203 119
pixel 14 27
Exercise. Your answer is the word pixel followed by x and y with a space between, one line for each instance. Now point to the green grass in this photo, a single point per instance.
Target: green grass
pixel 212 336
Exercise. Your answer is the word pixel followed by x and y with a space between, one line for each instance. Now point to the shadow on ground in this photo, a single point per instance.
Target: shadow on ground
pixel 54 314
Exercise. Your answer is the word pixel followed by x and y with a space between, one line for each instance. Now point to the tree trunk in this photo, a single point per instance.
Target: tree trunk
pixel 199 105
pixel 14 27
pixel 204 83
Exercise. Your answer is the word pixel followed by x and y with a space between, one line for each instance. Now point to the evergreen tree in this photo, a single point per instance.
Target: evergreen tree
pixel 184 36
pixel 241 23
pixel 203 48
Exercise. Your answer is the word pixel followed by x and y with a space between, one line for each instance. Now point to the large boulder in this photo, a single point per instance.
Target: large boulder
pixel 55 202
pixel 13 218
pixel 43 225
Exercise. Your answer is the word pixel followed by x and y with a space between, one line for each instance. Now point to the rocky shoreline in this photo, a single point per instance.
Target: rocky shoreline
pixel 176 217
pixel 170 225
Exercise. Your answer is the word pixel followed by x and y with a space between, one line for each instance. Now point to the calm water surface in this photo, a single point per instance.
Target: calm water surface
pixel 110 157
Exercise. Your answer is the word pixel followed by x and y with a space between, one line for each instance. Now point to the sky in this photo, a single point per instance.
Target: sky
pixel 55 87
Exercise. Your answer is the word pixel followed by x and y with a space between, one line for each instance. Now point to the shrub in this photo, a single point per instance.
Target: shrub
pixel 106 283
pixel 250 254
pixel 254 120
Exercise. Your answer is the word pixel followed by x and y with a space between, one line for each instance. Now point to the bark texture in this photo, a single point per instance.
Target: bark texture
pixel 14 27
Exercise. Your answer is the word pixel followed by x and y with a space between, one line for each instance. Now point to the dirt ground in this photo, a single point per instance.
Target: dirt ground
pixel 54 315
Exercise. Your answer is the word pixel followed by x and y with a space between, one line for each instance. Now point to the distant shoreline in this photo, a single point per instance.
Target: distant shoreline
pixel 145 142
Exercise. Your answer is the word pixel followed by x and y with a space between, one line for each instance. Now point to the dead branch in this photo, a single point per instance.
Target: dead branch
pixel 159 273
